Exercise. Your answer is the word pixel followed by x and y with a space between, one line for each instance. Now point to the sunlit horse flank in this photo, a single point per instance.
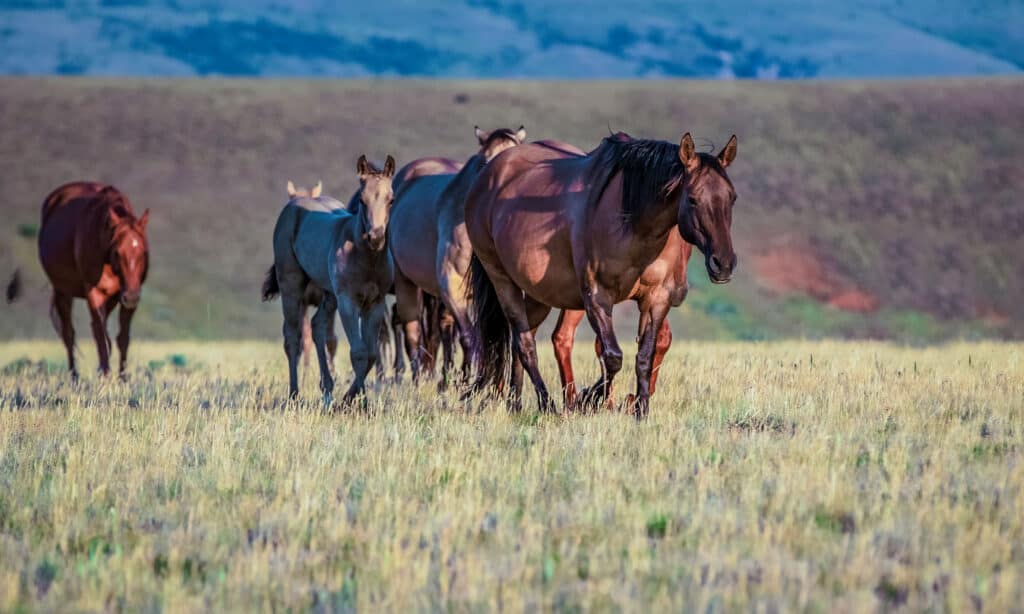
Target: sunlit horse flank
pixel 432 251
pixel 579 233
pixel 319 241
pixel 92 246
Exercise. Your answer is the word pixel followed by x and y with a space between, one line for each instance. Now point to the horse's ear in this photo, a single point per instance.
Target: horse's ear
pixel 728 153
pixel 521 134
pixel 115 219
pixel 481 136
pixel 144 220
pixel 291 189
pixel 363 168
pixel 389 166
pixel 687 151
pixel 317 189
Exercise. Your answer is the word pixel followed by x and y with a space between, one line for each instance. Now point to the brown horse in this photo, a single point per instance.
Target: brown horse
pixel 579 233
pixel 92 246
pixel 318 241
pixel 431 250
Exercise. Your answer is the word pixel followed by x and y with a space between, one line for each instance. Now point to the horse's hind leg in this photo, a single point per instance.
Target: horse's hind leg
pixel 396 328
pixel 447 325
pixel 60 314
pixel 651 320
pixel 520 314
pixel 562 339
pixel 323 317
pixel 661 345
pixel 408 303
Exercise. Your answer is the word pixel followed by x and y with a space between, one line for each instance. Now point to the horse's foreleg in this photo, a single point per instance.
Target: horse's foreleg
pixel 60 314
pixel 651 321
pixel 371 322
pixel 97 302
pixel 361 343
pixel 123 337
pixel 563 338
pixel 323 318
pixel 599 312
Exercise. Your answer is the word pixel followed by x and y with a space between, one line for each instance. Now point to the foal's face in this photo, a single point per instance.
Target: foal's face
pixel 130 258
pixel 705 210
pixel 376 198
pixel 496 141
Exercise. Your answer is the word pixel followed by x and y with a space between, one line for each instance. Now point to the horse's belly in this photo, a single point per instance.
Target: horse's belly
pixel 412 239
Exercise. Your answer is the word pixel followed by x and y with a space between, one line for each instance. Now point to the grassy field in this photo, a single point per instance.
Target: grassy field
pixel 830 476
pixel 876 209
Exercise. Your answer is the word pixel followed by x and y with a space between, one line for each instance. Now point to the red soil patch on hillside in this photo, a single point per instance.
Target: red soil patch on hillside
pixel 789 268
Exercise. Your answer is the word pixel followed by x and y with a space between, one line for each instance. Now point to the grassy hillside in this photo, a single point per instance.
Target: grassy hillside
pixel 851 477
pixel 866 209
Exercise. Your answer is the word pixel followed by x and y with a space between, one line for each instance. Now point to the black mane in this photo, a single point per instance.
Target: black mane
pixel 651 172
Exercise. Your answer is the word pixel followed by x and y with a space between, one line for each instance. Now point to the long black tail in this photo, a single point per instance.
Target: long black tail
pixel 14 288
pixel 493 327
pixel 270 288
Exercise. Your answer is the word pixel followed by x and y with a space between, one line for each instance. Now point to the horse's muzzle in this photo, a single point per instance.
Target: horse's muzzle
pixel 375 239
pixel 720 269
pixel 130 300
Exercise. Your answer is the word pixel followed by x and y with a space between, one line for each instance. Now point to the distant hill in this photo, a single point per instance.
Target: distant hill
pixel 866 209
pixel 514 38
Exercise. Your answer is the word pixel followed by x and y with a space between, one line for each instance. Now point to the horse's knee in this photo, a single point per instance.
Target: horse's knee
pixel 612 360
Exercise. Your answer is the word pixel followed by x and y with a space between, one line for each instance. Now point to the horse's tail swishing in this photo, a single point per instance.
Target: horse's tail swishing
pixel 270 288
pixel 493 327
pixel 14 287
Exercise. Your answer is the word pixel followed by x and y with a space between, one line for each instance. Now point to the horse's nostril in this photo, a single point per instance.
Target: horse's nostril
pixel 716 263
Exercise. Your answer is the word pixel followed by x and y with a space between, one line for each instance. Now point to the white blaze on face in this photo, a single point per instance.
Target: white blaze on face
pixel 135 242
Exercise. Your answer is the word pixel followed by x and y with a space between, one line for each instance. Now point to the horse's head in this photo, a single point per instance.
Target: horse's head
pixel 705 209
pixel 129 257
pixel 294 192
pixel 376 196
pixel 496 141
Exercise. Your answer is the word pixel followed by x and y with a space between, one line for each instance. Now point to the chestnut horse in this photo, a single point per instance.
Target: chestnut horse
pixel 579 233
pixel 317 241
pixel 92 246
pixel 431 249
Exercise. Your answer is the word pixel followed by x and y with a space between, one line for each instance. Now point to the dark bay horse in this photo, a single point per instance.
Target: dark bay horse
pixel 432 252
pixel 579 233
pixel 318 241
pixel 92 246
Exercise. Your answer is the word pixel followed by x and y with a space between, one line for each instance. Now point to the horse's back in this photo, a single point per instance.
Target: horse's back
pixel 422 167
pixel 66 213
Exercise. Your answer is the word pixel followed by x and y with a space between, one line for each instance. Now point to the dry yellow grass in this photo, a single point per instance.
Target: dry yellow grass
pixel 807 476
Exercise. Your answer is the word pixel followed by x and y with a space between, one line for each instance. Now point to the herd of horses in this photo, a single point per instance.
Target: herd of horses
pixel 476 254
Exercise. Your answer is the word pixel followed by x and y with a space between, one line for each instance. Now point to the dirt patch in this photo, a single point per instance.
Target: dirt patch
pixel 790 268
